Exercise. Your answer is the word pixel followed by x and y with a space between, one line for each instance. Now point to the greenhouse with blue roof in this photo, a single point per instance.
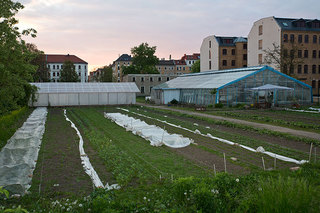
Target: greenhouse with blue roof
pixel 248 85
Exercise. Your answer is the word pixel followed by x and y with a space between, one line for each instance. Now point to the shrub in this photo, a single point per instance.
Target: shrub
pixel 174 101
pixel 218 105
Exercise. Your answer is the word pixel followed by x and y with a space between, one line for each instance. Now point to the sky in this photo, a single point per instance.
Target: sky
pixel 99 31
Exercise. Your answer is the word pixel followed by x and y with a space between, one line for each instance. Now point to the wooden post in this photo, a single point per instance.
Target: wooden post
pixel 310 152
pixel 225 163
pixel 264 168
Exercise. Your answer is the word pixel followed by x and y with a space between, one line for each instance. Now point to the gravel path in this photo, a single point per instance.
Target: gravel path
pixel 299 133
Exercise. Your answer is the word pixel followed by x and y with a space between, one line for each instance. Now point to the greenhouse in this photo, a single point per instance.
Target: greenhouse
pixel 74 94
pixel 234 86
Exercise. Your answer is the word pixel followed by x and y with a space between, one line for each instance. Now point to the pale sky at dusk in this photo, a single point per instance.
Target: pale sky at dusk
pixel 98 31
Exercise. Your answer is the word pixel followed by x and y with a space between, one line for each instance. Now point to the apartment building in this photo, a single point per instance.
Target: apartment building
pixel 117 66
pixel 55 64
pixel 145 82
pixel 190 59
pixel 218 53
pixel 303 35
pixel 166 67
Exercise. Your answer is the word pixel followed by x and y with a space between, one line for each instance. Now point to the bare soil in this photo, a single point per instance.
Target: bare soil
pixel 59 171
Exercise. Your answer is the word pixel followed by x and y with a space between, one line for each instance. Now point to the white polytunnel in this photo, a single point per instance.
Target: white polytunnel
pixel 76 94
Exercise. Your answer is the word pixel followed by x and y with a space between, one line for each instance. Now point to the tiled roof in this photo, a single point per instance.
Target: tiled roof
pixel 229 41
pixel 165 63
pixel 53 58
pixel 124 57
pixel 179 62
pixel 194 56
pixel 298 24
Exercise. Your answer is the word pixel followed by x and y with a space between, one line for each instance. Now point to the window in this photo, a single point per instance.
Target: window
pixel 245 57
pixel 209 54
pixel 54 66
pixel 57 66
pixel 305 69
pixel 291 69
pixel 61 66
pixel 299 53
pixel 168 79
pixel 260 58
pixel 306 53
pixel 133 79
pixel 209 65
pixel 300 38
pixel 245 46
pixel 184 68
pixel 314 69
pixel 159 79
pixel 209 44
pixel 58 73
pixel 285 38
pixel 306 39
pixel 313 84
pixel 224 62
pixel 299 69
pixel 291 38
pixel 314 39
pixel 233 51
pixel 233 63
pixel 80 73
pixel 49 66
pixel 314 54
pixel 142 79
pixel 260 44
pixel 54 73
pixel 285 53
pixel 142 89
pixel 150 89
pixel 79 67
pixel 151 79
pixel 224 51
pixel 260 29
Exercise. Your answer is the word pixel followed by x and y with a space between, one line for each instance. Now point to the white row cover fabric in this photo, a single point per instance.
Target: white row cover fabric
pixel 314 110
pixel 88 168
pixel 18 157
pixel 269 87
pixel 280 157
pixel 156 135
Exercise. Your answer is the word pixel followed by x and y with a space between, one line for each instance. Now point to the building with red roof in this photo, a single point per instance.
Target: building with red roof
pixel 55 64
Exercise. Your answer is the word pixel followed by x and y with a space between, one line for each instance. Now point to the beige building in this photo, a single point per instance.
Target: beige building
pixel 166 67
pixel 123 60
pixel 288 33
pixel 145 82
pixel 218 53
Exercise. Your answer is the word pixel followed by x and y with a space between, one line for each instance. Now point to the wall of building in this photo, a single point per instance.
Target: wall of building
pixel 55 71
pixel 209 44
pixel 271 34
pixel 145 82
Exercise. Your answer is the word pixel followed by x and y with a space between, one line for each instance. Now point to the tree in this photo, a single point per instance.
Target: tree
pixel 143 60
pixel 68 72
pixel 105 74
pixel 16 69
pixel 195 67
pixel 42 72
pixel 284 58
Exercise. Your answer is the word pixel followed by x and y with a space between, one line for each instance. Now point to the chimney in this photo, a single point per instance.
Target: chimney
pixel 170 57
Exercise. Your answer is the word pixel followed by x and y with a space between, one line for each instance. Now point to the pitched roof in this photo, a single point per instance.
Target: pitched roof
pixel 124 57
pixel 54 58
pixel 299 24
pixel 229 41
pixel 180 62
pixel 165 63
pixel 194 56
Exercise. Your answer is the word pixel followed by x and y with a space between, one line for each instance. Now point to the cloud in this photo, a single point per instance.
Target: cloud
pixel 99 30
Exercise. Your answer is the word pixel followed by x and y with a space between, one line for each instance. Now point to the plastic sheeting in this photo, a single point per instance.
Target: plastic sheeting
pixel 315 110
pixel 156 135
pixel 86 161
pixel 280 157
pixel 18 157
